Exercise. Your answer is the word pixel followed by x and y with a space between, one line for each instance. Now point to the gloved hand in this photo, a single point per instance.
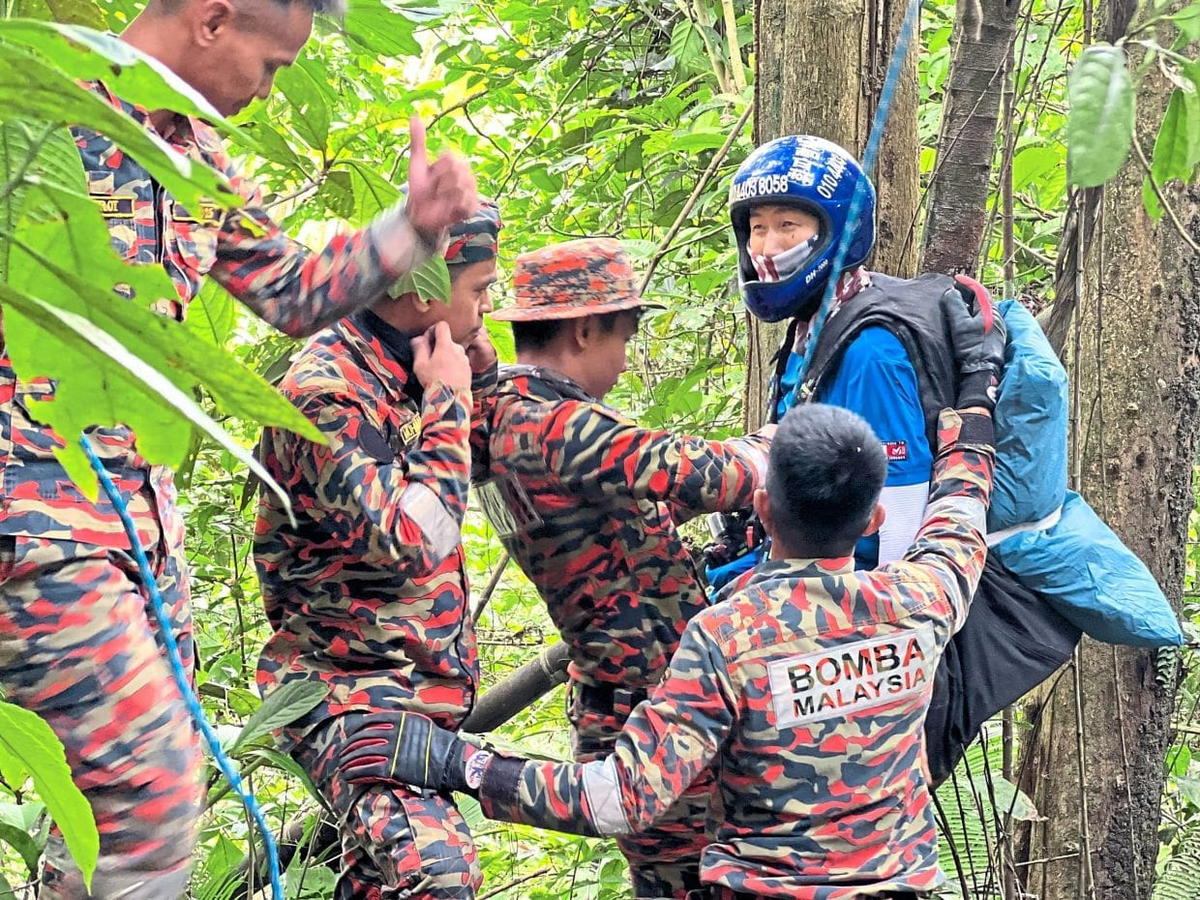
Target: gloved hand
pixel 977 334
pixel 409 749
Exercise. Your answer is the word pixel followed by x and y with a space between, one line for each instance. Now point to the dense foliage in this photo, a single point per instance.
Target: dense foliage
pixel 582 117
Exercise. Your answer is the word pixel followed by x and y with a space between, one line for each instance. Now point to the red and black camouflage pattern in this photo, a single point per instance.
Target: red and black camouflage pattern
pixel 77 646
pixel 367 594
pixel 75 643
pixel 587 502
pixel 805 691
pixel 396 844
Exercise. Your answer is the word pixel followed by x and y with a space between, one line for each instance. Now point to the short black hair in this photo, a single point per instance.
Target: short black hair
pixel 336 8
pixel 826 470
pixel 540 334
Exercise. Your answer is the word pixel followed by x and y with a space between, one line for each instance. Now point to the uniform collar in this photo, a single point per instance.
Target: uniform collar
pixel 548 380
pixel 803 568
pixel 385 350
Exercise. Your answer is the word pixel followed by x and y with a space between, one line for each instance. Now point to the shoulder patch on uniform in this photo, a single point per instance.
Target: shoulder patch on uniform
pixel 847 678
pixel 508 506
pixel 374 444
pixel 897 451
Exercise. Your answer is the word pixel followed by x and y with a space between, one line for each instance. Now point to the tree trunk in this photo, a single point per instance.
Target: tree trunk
pixel 1133 354
pixel 810 80
pixel 958 190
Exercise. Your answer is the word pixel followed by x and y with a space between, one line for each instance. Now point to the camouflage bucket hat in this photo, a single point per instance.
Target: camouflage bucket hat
pixel 475 239
pixel 573 279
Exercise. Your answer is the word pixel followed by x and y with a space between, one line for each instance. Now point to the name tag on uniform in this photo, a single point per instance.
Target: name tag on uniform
pixel 848 678
pixel 210 214
pixel 508 507
pixel 410 431
pixel 114 207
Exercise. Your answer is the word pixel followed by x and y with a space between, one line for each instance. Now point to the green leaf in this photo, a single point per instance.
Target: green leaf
pixel 33 89
pixel 283 706
pixel 502 340
pixel 429 281
pixel 1178 138
pixel 1100 121
pixel 1188 21
pixel 28 738
pixel 18 829
pixel 310 112
pixel 1033 163
pixel 46 268
pixel 129 381
pixel 285 763
pixel 687 47
pixel 377 29
pixel 1150 200
pixel 213 315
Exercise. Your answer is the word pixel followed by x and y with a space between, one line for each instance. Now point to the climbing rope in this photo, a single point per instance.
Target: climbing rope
pixel 224 763
pixel 854 211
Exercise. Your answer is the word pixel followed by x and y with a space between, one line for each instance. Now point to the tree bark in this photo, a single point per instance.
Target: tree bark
pixel 958 191
pixel 1133 354
pixel 820 67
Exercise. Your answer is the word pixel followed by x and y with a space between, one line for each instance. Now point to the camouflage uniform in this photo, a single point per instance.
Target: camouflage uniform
pixel 805 691
pixel 368 593
pixel 75 642
pixel 587 503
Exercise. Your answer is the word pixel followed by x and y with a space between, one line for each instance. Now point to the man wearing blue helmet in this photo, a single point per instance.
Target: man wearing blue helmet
pixel 879 348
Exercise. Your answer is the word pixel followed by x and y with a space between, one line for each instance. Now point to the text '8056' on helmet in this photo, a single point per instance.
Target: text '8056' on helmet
pixel 820 178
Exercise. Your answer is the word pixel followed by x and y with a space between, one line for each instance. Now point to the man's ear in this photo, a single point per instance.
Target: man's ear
pixel 878 514
pixel 762 509
pixel 582 330
pixel 212 17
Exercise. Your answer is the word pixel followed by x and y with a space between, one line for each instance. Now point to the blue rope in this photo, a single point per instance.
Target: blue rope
pixel 224 763
pixel 854 212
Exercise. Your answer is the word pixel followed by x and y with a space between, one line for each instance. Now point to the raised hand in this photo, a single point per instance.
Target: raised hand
pixel 439 193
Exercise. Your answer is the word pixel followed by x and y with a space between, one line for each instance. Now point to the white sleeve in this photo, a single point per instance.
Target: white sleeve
pixel 905 505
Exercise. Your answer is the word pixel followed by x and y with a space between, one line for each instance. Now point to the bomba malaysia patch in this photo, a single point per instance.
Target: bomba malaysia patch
pixel 847 678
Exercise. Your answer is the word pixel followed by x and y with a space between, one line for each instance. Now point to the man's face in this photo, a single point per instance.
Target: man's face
pixel 775 229
pixel 607 353
pixel 239 50
pixel 470 300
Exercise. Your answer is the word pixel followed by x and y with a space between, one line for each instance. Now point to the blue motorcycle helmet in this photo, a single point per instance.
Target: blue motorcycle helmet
pixel 820 178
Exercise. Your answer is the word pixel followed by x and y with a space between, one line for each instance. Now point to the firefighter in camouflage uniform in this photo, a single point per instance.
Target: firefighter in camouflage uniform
pixel 367 593
pixel 805 689
pixel 587 503
pixel 76 645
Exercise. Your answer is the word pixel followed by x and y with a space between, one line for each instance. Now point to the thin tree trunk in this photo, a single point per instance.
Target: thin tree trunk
pixel 820 66
pixel 958 191
pixel 1133 355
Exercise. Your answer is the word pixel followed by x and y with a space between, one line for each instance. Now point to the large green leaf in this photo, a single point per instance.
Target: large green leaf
pixel 19 829
pixel 1100 121
pixel 374 27
pixel 282 707
pixel 310 111
pixel 30 740
pixel 33 89
pixel 1178 138
pixel 429 281
pixel 89 55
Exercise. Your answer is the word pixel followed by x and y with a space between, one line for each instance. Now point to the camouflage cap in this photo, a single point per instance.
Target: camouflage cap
pixel 475 239
pixel 572 279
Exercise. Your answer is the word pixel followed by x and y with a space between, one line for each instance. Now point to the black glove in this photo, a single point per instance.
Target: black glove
pixel 977 334
pixel 409 749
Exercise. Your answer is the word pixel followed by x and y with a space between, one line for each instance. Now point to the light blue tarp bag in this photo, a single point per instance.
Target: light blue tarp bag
pixel 1057 544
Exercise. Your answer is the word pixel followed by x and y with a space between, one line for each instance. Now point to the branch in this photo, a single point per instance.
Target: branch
pixel 735 49
pixel 492 584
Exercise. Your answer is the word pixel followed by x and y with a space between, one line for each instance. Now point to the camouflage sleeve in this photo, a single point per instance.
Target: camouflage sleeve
pixel 300 291
pixel 595 452
pixel 483 393
pixel 668 742
pixel 402 511
pixel 951 541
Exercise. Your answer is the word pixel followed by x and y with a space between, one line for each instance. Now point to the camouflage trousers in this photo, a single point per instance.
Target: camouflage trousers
pixel 663 861
pixel 77 646
pixel 396 844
